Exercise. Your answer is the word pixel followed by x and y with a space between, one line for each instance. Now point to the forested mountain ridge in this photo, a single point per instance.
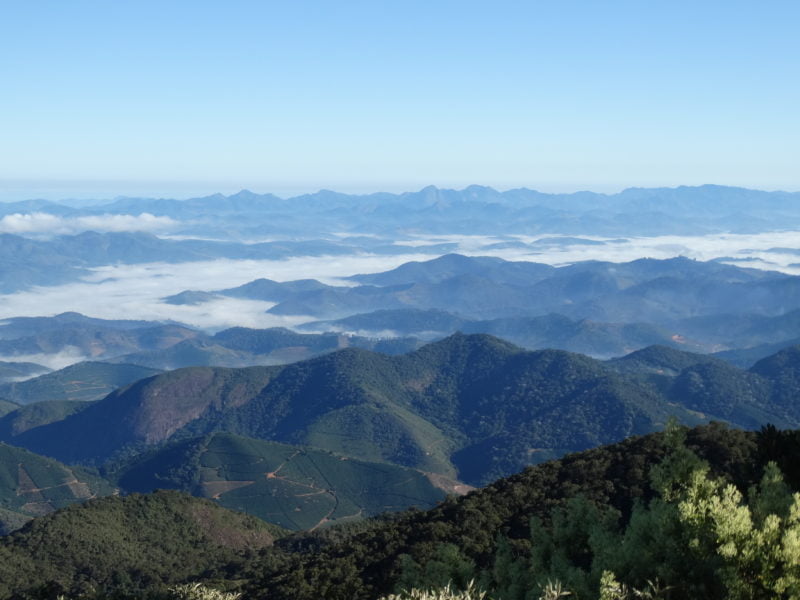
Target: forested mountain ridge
pixel 462 537
pixel 33 485
pixel 128 543
pixel 470 406
pixel 517 532
pixel 291 486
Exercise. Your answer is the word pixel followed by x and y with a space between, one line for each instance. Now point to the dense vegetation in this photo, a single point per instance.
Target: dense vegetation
pixel 462 539
pixel 33 485
pixel 566 520
pixel 471 407
pixel 130 543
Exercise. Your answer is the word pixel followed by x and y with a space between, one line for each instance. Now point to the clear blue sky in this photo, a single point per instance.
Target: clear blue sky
pixel 186 97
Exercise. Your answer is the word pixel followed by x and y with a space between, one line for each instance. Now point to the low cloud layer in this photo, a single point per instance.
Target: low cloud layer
pixel 47 224
pixel 135 291
pixel 53 360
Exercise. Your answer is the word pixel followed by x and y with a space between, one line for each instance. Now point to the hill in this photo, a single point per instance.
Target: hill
pixel 551 331
pixel 95 341
pixel 16 371
pixel 83 381
pixel 33 485
pixel 452 265
pixel 128 544
pixel 6 406
pixel 472 407
pixel 658 359
pixel 19 419
pixel 291 486
pixel 481 535
pixel 241 347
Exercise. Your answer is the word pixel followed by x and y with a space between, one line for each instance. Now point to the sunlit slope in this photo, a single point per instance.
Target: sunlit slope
pixel 82 381
pixel 294 487
pixel 472 407
pixel 33 485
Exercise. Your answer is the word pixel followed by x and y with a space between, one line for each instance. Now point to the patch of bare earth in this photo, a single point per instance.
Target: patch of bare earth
pixel 420 384
pixel 447 485
pixel 26 485
pixel 214 489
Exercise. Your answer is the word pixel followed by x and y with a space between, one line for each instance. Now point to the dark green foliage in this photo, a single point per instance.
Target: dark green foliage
pixel 782 448
pixel 128 543
pixel 470 406
pixel 434 566
pixel 367 559
pixel 485 534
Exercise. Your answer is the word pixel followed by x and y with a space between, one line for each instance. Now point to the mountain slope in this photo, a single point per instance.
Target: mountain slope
pixel 473 406
pixel 472 530
pixel 291 486
pixel 17 371
pixel 552 331
pixel 22 418
pixel 131 543
pixel 96 341
pixel 33 485
pixel 84 381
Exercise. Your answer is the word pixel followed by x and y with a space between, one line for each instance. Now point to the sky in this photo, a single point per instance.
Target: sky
pixel 178 99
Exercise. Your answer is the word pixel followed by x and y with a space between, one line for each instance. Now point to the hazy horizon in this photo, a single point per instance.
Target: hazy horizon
pixel 85 195
pixel 154 99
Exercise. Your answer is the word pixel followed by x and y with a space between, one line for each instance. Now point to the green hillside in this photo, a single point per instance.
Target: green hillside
pixel 10 371
pixel 471 407
pixel 128 543
pixel 294 487
pixel 148 541
pixel 82 381
pixel 197 352
pixel 242 347
pixel 33 485
pixel 22 418
pixel 488 535
pixel 659 359
pixel 6 406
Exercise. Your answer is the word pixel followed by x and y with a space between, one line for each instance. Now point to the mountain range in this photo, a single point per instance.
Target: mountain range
pixel 469 407
pixel 249 226
pixel 475 209
pixel 600 308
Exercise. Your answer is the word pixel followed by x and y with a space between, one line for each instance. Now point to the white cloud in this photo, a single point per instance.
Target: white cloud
pixel 53 360
pixel 47 224
pixel 134 291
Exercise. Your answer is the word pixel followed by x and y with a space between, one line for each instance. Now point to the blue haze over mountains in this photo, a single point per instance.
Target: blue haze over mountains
pixel 473 210
pixel 599 308
pixel 450 336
